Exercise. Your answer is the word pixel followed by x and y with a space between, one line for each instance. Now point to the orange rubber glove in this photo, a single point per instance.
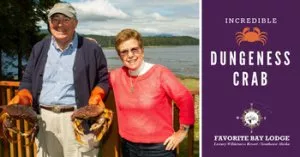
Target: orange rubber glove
pixel 23 97
pixel 96 97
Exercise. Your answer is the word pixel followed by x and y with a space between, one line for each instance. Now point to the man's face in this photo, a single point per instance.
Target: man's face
pixel 131 54
pixel 62 27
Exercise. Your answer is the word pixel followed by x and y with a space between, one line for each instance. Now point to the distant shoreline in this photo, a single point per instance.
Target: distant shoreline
pixel 186 77
pixel 154 46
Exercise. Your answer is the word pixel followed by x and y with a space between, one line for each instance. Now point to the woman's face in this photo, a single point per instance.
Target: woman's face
pixel 131 54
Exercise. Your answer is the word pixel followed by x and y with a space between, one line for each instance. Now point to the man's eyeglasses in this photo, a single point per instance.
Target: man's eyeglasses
pixel 134 51
pixel 57 20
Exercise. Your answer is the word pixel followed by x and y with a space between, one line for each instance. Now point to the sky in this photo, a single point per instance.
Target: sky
pixel 150 17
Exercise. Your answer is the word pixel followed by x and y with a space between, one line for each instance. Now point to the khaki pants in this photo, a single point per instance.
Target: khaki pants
pixel 56 137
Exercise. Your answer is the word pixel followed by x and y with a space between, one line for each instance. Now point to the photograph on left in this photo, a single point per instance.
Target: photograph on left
pixel 98 78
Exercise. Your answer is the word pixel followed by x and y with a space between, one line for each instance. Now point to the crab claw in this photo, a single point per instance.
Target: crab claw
pixel 2 116
pixel 6 124
pixel 98 124
pixel 31 134
pixel 99 116
pixel 14 130
pixel 107 116
pixel 257 30
pixel 18 112
pixel 77 126
pixel 8 136
pixel 78 139
pixel 246 29
pixel 78 130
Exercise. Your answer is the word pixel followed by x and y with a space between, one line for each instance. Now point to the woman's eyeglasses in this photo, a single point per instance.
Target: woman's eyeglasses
pixel 133 51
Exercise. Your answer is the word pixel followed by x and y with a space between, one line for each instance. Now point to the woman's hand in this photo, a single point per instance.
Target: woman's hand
pixel 173 141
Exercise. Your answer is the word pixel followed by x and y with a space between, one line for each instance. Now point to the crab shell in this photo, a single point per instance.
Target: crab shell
pixel 100 117
pixel 18 112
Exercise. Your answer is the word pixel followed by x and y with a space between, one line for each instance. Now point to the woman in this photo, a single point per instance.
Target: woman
pixel 143 94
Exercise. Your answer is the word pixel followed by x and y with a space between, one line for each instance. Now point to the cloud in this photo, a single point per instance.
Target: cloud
pixel 159 17
pixel 158 2
pixel 154 17
pixel 97 10
pixel 148 16
pixel 174 2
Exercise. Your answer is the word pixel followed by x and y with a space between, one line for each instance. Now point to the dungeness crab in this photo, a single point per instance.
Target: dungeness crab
pixel 251 36
pixel 8 114
pixel 100 117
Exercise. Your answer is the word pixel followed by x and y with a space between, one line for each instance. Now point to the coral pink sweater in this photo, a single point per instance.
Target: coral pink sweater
pixel 145 115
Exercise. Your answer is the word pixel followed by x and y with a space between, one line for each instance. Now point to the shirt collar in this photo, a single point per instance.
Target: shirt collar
pixel 138 71
pixel 72 44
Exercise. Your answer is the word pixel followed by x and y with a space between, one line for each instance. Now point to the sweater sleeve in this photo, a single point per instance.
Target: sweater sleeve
pixel 26 82
pixel 180 94
pixel 111 79
pixel 102 72
pixel 27 78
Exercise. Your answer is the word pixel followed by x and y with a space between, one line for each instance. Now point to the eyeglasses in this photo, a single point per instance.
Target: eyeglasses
pixel 134 51
pixel 57 20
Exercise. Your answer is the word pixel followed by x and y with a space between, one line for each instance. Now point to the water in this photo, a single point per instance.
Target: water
pixel 182 60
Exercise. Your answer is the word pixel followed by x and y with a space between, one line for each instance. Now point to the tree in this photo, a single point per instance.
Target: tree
pixel 19 30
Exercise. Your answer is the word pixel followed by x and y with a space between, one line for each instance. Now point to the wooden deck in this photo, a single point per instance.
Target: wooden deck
pixel 110 144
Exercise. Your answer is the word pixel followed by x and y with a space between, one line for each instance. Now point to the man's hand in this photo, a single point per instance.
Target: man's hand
pixel 96 97
pixel 92 39
pixel 173 141
pixel 23 97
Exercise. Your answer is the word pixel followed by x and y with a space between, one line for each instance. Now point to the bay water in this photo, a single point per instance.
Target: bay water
pixel 181 60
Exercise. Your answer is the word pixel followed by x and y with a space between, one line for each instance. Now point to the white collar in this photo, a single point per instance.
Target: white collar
pixel 138 71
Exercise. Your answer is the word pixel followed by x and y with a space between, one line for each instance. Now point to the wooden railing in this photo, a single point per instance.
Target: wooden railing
pixel 190 138
pixel 110 145
pixel 7 91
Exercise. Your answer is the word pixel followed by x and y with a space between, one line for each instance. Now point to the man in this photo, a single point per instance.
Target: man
pixel 64 72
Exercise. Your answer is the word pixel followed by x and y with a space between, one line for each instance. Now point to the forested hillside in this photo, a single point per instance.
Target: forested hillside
pixel 108 41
